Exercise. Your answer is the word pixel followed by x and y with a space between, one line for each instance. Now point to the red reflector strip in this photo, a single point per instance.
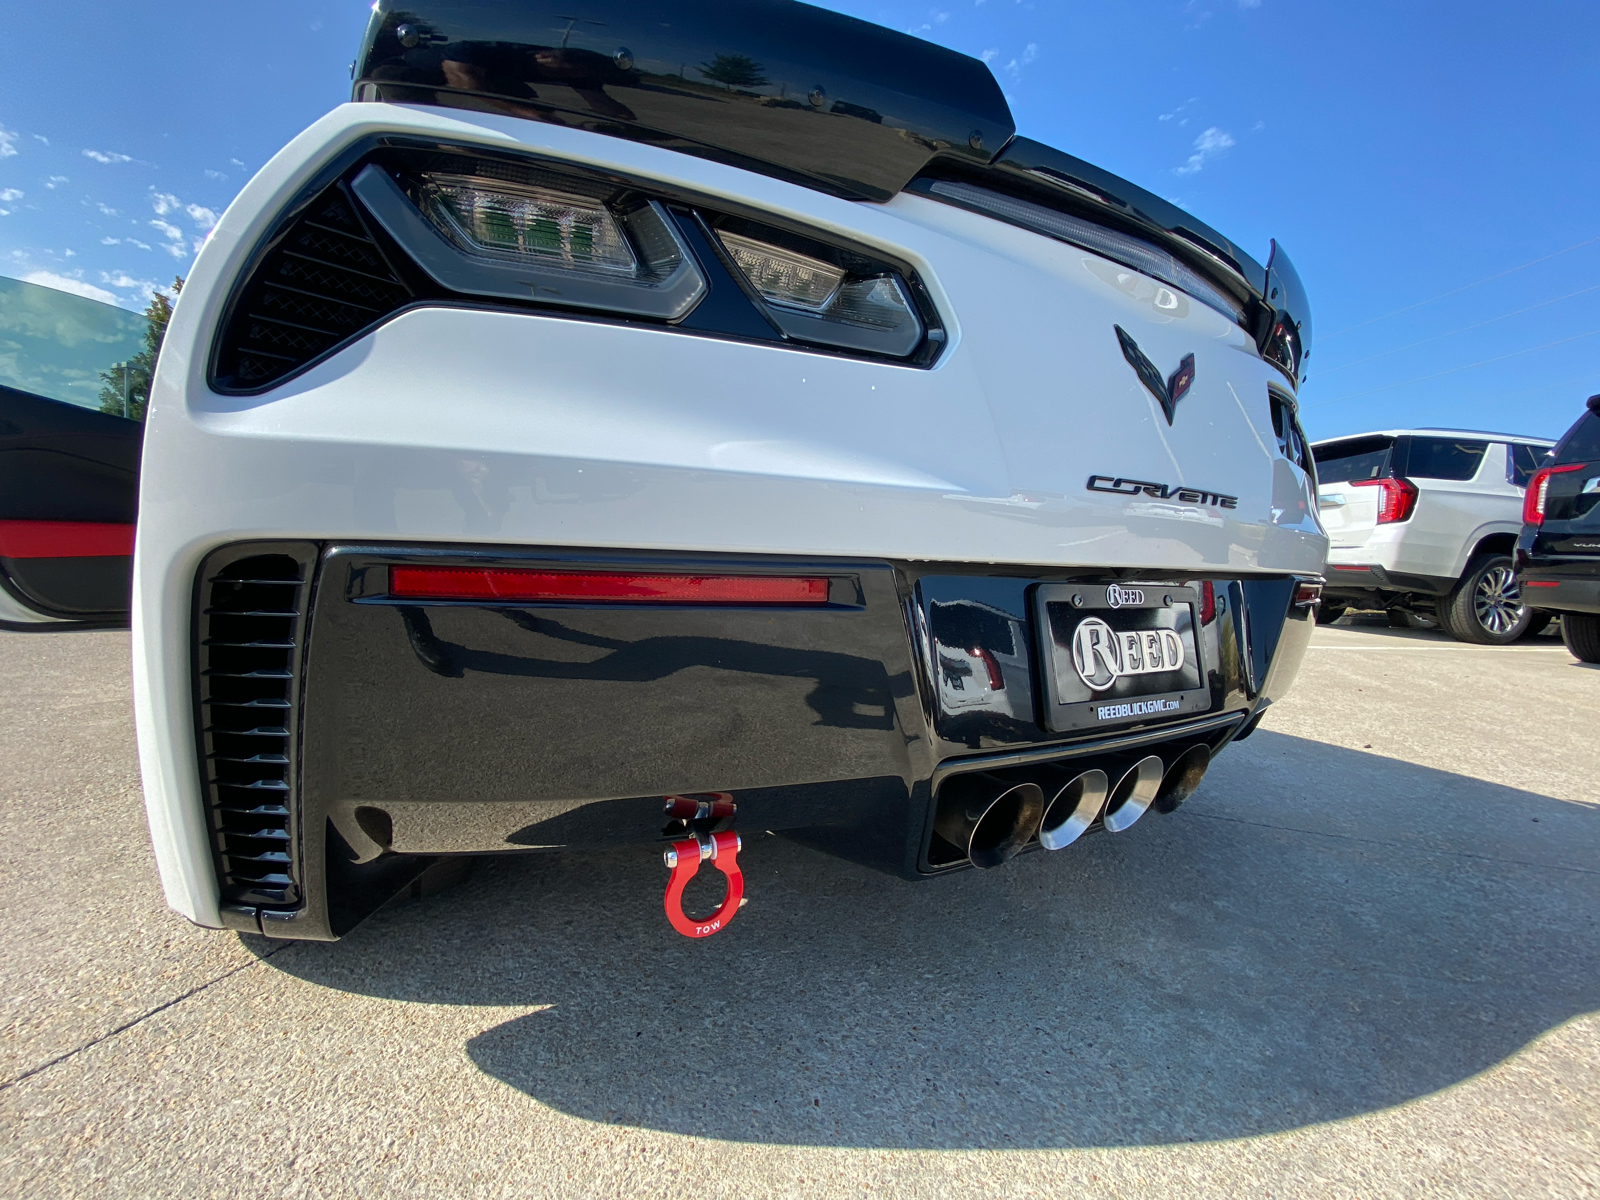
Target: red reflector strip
pixel 1350 567
pixel 64 539
pixel 1541 583
pixel 481 583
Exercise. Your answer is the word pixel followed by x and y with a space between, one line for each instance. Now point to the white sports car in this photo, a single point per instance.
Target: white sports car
pixel 686 417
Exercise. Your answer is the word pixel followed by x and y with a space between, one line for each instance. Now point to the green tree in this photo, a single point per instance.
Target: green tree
pixel 135 377
pixel 734 70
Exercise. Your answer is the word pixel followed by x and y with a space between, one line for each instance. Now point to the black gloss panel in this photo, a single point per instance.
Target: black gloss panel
pixel 59 462
pixel 980 644
pixel 78 588
pixel 773 85
pixel 445 727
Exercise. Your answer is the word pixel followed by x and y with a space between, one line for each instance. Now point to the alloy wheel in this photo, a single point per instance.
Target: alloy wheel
pixel 1497 600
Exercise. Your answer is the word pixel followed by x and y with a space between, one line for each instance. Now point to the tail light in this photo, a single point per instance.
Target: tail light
pixel 997 681
pixel 1539 490
pixel 1208 602
pixel 1398 500
pixel 1307 594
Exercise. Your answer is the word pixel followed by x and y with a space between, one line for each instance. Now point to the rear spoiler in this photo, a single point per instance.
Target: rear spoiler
pixel 773 85
pixel 790 91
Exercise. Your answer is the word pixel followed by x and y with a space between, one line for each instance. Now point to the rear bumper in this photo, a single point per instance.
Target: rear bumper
pixel 422 729
pixel 1360 580
pixel 1553 592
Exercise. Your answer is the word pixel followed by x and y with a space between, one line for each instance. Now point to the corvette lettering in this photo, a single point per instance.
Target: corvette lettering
pixel 1118 486
pixel 1103 655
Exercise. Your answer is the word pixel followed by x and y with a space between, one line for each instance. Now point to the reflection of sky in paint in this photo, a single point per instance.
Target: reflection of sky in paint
pixel 56 344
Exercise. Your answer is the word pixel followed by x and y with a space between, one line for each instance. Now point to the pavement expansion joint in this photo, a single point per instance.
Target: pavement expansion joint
pixel 140 1019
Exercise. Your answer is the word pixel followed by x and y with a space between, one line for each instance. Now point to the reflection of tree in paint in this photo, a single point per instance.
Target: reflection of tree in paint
pixel 735 70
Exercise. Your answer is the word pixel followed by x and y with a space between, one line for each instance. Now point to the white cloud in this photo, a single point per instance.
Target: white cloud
pixel 236 162
pixel 108 210
pixel 168 230
pixel 164 202
pixel 218 175
pixel 1029 53
pixel 1212 142
pixel 8 142
pixel 110 241
pixel 55 181
pixel 64 283
pixel 122 281
pixel 5 212
pixel 202 217
pixel 941 18
pixel 990 55
pixel 69 254
pixel 101 156
pixel 39 137
pixel 9 194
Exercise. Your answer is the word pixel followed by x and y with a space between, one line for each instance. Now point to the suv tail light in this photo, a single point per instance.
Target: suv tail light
pixel 1538 489
pixel 1398 500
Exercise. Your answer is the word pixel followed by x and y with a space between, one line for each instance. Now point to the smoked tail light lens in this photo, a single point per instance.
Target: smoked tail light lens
pixel 1208 602
pixel 483 236
pixel 813 300
pixel 492 217
pixel 589 587
pixel 1398 500
pixel 1307 594
pixel 1533 500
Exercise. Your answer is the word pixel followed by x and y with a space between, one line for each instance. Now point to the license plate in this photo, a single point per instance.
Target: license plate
pixel 1118 654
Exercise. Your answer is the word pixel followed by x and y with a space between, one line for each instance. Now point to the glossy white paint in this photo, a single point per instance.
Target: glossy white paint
pixel 1449 521
pixel 525 429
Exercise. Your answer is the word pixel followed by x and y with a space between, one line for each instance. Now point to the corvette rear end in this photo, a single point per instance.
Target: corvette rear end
pixel 560 446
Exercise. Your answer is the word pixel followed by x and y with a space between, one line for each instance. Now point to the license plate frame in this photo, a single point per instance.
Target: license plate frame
pixel 1142 687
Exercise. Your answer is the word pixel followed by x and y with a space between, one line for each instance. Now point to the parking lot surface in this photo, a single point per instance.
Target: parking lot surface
pixel 1361 961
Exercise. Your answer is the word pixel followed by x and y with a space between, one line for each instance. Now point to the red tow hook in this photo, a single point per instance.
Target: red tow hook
pixel 713 806
pixel 684 859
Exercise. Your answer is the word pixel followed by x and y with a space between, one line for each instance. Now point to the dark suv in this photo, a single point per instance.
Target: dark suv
pixel 1558 553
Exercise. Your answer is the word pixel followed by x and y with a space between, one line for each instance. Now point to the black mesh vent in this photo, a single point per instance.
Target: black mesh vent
pixel 252 611
pixel 323 281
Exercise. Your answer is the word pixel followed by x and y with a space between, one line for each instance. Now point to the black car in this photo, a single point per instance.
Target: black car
pixel 1558 554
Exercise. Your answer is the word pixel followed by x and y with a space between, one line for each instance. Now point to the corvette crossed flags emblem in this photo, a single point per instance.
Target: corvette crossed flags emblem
pixel 1168 392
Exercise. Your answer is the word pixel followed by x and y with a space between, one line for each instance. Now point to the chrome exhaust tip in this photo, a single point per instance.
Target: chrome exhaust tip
pixel 990 818
pixel 1182 778
pixel 1072 802
pixel 1133 793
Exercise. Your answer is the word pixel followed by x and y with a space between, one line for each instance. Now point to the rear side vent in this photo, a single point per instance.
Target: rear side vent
pixel 249 625
pixel 322 282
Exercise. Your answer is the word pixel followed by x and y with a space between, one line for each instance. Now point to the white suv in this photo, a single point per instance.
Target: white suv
pixel 1426 520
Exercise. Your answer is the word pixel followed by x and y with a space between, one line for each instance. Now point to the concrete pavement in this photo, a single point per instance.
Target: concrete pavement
pixel 1361 961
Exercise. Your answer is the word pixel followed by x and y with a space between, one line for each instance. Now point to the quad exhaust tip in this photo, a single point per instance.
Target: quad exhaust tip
pixel 1072 801
pixel 1182 778
pixel 1135 790
pixel 992 819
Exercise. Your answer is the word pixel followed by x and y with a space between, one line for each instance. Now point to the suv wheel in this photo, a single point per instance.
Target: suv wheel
pixel 1486 606
pixel 1581 633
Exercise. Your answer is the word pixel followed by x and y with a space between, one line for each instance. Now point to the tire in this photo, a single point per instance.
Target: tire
pixel 1327 614
pixel 1538 623
pixel 1581 633
pixel 1486 606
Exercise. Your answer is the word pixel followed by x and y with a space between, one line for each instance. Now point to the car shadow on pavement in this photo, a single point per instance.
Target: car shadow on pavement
pixel 1318 933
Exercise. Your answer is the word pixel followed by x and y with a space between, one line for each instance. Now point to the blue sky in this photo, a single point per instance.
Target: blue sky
pixel 1433 168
